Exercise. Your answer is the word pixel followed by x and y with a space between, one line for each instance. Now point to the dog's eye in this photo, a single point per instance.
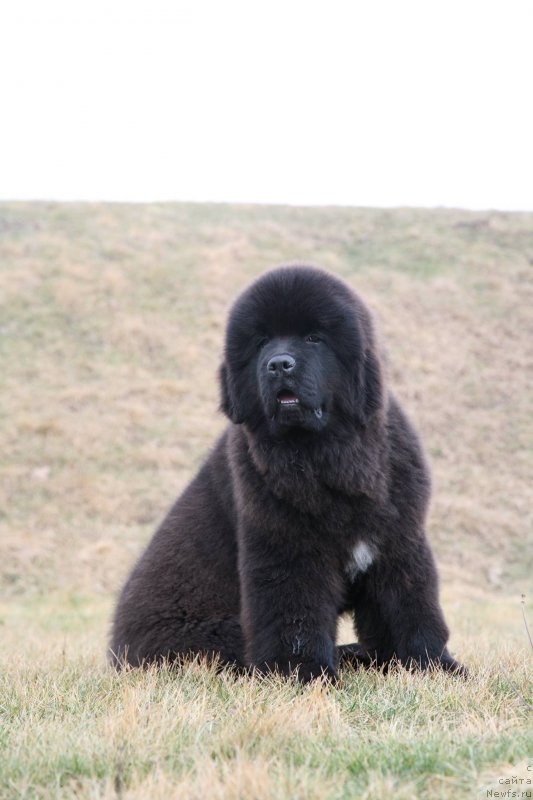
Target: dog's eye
pixel 262 342
pixel 313 338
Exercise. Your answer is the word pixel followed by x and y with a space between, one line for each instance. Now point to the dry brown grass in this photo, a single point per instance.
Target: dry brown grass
pixel 76 729
pixel 112 330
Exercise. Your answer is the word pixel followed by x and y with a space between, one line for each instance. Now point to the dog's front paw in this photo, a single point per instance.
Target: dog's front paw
pixel 354 655
pixel 312 670
pixel 448 663
pixel 303 671
pixel 443 661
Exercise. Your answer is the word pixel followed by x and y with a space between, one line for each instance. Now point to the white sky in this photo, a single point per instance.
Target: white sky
pixel 373 102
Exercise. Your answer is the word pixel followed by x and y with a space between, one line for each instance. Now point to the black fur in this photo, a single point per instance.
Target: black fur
pixel 254 563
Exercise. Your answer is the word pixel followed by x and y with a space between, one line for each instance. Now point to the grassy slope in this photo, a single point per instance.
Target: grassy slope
pixel 110 335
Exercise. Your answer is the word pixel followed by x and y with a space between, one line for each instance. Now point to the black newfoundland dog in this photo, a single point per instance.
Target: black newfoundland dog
pixel 312 503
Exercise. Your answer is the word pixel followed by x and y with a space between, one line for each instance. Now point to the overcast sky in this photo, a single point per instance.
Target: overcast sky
pixel 380 103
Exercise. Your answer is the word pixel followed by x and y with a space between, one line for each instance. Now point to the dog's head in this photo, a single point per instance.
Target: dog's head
pixel 300 354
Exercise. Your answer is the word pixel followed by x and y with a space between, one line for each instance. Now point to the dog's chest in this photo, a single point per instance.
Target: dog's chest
pixel 359 560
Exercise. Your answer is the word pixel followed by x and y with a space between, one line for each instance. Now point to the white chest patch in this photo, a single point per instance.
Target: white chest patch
pixel 362 557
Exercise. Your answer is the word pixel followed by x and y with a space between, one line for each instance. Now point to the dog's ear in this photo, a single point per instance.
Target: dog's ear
pixel 228 398
pixel 374 390
pixel 369 389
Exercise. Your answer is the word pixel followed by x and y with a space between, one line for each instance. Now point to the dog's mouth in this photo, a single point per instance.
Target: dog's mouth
pixel 286 398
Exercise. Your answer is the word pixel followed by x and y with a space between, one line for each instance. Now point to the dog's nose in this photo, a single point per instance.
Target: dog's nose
pixel 281 364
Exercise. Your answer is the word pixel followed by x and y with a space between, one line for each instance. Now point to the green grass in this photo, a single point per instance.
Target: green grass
pixel 111 327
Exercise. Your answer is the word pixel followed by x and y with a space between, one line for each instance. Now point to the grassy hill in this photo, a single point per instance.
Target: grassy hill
pixel 111 330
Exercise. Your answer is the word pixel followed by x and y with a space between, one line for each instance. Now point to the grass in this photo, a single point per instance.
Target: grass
pixel 73 728
pixel 110 335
